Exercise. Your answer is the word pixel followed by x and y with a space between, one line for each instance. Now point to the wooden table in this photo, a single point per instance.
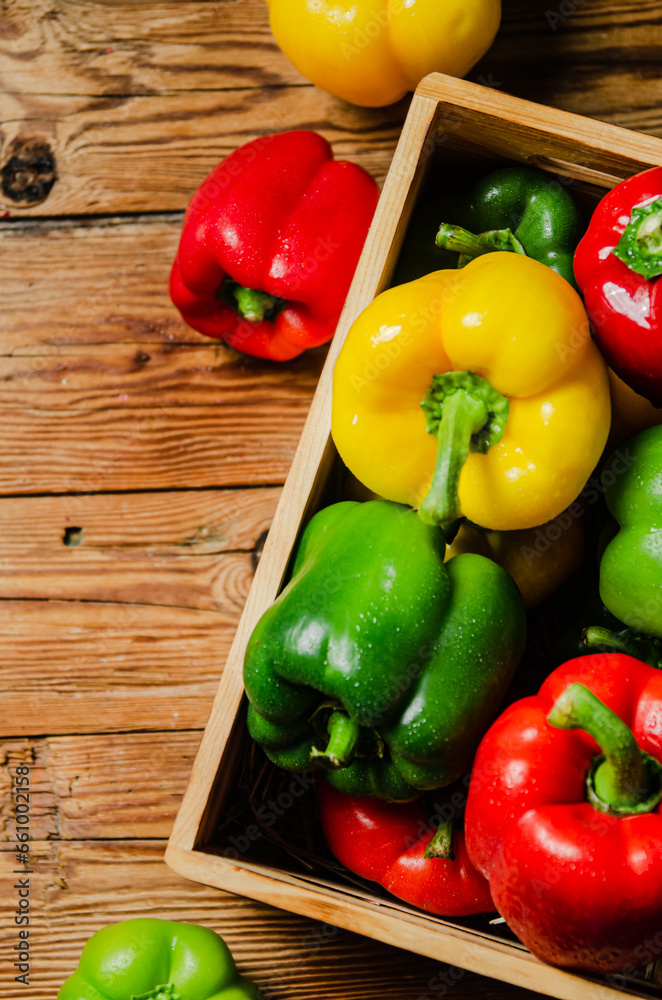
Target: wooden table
pixel 140 463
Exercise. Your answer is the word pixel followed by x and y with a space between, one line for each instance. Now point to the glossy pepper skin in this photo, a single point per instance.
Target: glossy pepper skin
pixel 581 887
pixel 617 264
pixel 517 208
pixel 515 445
pixel 386 842
pixel 372 52
pixel 378 663
pixel 151 959
pixel 269 245
pixel 538 559
pixel 631 564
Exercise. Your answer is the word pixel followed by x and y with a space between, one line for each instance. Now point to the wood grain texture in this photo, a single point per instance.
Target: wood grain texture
pixel 147 448
pixel 133 100
pixel 177 549
pixel 150 153
pixel 146 401
pixel 91 282
pixel 79 887
pixel 129 48
pixel 81 667
pixel 117 376
pixel 101 787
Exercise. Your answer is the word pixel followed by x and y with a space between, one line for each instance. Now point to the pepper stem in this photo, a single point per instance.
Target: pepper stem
pixel 629 642
pixel 249 303
pixel 470 245
pixel 465 413
pixel 622 780
pixel 441 844
pixel 640 246
pixel 165 992
pixel 344 734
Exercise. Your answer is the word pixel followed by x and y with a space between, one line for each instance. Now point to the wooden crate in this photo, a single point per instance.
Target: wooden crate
pixel 449 122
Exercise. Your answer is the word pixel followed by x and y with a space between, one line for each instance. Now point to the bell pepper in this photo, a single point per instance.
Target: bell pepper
pixel 476 392
pixel 538 559
pixel 631 564
pixel 378 663
pixel 519 209
pixel 269 245
pixel 395 845
pixel 151 959
pixel 372 52
pixel 563 814
pixel 630 412
pixel 616 265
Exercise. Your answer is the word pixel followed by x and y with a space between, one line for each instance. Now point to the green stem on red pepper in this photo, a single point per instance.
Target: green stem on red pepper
pixel 640 246
pixel 622 780
pixel 465 413
pixel 249 303
pixel 441 844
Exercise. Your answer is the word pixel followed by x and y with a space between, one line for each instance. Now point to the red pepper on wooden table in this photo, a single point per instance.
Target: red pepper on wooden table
pixel 270 243
pixel 395 845
pixel 571 842
pixel 617 264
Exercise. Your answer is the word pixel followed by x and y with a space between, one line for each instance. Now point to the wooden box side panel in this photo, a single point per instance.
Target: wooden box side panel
pixel 558 141
pixel 394 925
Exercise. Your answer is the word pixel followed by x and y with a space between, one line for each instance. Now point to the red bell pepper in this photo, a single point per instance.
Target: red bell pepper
pixel 571 842
pixel 617 264
pixel 387 842
pixel 269 245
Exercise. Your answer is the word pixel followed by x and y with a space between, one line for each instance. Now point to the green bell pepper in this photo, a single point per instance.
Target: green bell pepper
pixel 631 564
pixel 520 209
pixel 150 959
pixel 378 662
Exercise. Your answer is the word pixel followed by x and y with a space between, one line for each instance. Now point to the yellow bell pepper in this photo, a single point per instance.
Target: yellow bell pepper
pixel 538 559
pixel 371 52
pixel 496 362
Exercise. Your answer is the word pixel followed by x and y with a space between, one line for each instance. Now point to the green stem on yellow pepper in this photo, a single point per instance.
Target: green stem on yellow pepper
pixel 465 413
pixel 344 734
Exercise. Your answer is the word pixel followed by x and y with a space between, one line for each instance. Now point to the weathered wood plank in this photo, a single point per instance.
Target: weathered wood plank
pixel 128 48
pixel 76 667
pixel 108 786
pixel 125 137
pixel 207 582
pixel 149 153
pixel 67 283
pixel 162 548
pixel 196 523
pixel 76 888
pixel 128 375
pixel 148 448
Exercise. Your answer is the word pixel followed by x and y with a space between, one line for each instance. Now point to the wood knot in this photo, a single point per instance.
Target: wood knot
pixel 29 173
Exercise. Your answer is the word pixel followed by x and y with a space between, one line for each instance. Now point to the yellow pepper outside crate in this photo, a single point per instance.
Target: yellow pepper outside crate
pixel 372 52
pixel 518 423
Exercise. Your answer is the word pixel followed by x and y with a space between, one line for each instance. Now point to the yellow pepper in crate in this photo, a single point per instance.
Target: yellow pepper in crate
pixel 372 52
pixel 476 393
